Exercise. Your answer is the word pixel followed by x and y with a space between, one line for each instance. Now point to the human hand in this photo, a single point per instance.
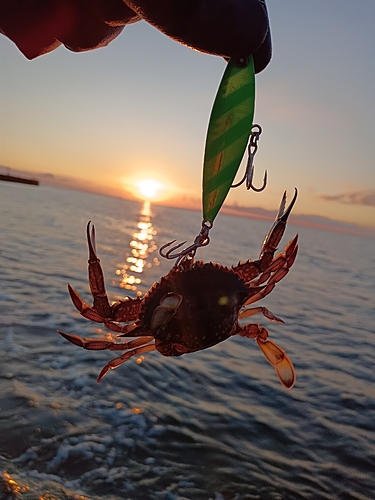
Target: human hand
pixel 228 28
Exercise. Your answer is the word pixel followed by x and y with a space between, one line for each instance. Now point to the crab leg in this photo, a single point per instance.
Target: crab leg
pixel 99 345
pixel 278 358
pixel 260 310
pixel 114 363
pixel 273 353
pixel 123 310
pixel 136 346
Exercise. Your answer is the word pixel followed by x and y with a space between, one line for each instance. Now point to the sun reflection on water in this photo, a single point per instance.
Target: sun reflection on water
pixel 15 490
pixel 11 485
pixel 141 247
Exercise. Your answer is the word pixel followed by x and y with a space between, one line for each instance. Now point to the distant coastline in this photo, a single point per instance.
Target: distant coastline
pixel 20 180
pixel 193 203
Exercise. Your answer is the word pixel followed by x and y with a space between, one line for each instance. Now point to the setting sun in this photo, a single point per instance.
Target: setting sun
pixel 149 188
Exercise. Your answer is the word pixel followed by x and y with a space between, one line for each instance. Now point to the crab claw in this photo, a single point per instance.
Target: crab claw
pixel 280 361
pixel 96 278
pixel 276 232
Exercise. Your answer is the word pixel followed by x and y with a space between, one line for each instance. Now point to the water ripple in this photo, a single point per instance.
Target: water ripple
pixel 210 425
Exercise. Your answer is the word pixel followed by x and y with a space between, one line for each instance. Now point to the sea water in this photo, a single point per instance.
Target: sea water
pixel 215 424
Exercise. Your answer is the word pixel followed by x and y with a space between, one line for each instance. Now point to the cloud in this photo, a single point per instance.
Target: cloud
pixel 364 198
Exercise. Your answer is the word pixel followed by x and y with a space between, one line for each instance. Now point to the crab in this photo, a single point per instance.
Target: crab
pixel 196 305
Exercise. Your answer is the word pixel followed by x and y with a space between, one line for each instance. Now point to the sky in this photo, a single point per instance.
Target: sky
pixel 139 109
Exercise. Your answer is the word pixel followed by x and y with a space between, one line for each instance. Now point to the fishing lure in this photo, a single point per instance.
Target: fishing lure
pixel 229 129
pixel 228 133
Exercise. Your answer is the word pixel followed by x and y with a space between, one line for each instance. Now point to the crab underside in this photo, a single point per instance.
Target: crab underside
pixel 193 307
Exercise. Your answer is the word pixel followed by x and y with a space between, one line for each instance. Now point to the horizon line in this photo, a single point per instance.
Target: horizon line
pixel 324 223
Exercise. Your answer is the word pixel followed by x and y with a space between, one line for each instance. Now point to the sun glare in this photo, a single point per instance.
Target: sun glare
pixel 149 188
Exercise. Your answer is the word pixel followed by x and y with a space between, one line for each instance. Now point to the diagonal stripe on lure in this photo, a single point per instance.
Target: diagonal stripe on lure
pixel 228 133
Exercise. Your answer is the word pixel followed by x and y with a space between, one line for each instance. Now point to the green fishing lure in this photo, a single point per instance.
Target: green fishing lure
pixel 228 133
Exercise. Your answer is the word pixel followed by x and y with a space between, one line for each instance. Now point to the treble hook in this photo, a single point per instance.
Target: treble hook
pixel 200 241
pixel 249 171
